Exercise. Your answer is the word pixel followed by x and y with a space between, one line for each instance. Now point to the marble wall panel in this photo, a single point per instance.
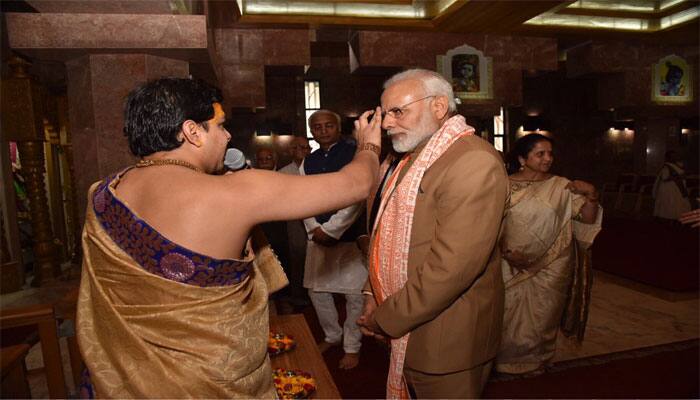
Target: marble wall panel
pixel 102 7
pixel 113 77
pixel 578 61
pixel 98 31
pixel 268 46
pixel 545 53
pixel 97 88
pixel 239 46
pixel 243 85
pixel 83 132
pixel 507 86
pixel 287 46
pixel 610 91
pixel 159 67
pixel 396 49
pixel 420 49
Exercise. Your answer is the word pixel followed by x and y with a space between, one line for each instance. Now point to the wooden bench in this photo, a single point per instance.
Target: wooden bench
pixel 14 372
pixel 43 317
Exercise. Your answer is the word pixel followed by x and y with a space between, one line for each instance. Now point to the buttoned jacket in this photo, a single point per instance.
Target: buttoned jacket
pixel 452 303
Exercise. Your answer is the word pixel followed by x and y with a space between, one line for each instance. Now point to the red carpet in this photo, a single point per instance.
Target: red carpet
pixel 664 371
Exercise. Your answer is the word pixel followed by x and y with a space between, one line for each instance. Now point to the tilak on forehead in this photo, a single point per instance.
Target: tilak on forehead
pixel 218 111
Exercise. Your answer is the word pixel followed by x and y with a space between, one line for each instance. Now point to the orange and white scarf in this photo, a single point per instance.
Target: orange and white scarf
pixel 391 236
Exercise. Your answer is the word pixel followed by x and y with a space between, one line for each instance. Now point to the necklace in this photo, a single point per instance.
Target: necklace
pixel 168 161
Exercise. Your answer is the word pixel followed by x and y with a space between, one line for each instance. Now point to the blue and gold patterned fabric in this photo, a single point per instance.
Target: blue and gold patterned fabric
pixel 157 320
pixel 154 252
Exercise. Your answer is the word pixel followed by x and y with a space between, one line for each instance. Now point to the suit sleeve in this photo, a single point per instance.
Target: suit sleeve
pixel 470 204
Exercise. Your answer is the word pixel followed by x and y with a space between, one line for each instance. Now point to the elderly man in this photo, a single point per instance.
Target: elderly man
pixel 265 159
pixel 435 286
pixel 296 232
pixel 333 261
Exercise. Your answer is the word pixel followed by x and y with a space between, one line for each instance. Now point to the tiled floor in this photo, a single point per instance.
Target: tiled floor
pixel 621 318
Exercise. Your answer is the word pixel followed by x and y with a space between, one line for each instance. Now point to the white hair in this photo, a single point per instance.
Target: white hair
pixel 321 112
pixel 433 83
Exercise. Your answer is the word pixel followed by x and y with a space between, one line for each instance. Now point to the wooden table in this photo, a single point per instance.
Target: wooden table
pixel 305 356
pixel 39 309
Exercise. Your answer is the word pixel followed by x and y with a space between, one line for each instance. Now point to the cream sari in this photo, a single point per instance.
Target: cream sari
pixel 541 223
pixel 145 331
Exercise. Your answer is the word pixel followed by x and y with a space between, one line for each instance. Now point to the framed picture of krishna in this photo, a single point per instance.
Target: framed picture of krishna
pixel 469 71
pixel 672 81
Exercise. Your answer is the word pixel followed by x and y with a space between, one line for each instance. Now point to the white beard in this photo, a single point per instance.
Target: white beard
pixel 408 140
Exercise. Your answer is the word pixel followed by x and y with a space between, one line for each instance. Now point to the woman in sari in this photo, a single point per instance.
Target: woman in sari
pixel 174 289
pixel 549 225
pixel 670 191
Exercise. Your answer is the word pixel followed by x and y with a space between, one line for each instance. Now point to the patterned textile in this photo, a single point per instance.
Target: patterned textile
pixel 85 390
pixel 155 253
pixel 143 334
pixel 542 224
pixel 392 233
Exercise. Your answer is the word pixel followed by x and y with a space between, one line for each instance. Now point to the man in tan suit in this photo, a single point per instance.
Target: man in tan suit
pixel 435 287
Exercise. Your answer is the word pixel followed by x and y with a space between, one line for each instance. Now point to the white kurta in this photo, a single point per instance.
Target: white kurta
pixel 669 201
pixel 295 229
pixel 339 268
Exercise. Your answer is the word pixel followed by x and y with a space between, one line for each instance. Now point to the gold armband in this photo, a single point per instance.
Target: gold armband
pixel 371 147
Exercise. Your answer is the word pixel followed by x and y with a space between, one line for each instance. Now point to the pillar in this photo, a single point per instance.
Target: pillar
pixel 22 121
pixel 98 85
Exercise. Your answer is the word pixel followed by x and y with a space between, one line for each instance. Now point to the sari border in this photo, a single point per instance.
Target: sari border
pixel 155 253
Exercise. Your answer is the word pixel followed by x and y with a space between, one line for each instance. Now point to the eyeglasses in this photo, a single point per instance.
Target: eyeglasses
pixel 303 147
pixel 397 112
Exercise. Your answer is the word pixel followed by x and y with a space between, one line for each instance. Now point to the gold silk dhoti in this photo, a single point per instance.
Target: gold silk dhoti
pixel 143 335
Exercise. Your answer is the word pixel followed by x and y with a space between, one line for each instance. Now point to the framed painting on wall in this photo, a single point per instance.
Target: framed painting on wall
pixel 469 71
pixel 671 81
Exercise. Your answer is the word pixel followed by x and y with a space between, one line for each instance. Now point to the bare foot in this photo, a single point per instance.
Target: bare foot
pixel 349 361
pixel 323 346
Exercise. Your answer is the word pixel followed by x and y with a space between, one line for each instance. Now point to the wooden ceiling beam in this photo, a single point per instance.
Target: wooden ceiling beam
pixel 315 20
pixel 628 14
pixel 485 16
pixel 683 34
pixel 397 2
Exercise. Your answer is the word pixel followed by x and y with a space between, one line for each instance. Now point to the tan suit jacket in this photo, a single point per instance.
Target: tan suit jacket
pixel 452 303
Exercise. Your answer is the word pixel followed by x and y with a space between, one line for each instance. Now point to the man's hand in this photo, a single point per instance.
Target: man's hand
pixel 322 238
pixel 368 325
